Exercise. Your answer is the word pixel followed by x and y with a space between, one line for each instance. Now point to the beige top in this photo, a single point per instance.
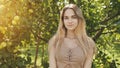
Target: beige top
pixel 70 57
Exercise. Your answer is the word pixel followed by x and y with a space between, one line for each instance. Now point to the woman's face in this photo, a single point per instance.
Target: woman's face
pixel 70 19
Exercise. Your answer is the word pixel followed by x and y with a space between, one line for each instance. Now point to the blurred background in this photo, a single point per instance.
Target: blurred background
pixel 27 25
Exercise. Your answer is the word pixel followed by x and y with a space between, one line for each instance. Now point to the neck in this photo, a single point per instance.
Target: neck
pixel 70 34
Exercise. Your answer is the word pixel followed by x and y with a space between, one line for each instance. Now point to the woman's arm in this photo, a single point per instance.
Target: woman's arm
pixel 89 59
pixel 90 54
pixel 51 49
pixel 52 61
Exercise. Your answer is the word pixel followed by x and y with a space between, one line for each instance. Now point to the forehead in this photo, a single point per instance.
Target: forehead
pixel 69 12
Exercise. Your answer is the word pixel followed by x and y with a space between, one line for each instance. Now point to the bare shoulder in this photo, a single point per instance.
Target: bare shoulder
pixel 92 44
pixel 52 42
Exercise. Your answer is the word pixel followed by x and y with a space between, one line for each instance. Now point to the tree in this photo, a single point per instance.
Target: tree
pixel 27 25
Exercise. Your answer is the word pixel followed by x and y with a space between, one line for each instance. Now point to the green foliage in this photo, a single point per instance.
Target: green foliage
pixel 26 24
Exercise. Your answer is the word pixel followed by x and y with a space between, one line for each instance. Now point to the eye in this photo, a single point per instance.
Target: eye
pixel 65 17
pixel 74 17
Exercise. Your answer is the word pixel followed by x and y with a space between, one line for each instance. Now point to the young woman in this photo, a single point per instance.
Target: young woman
pixel 70 47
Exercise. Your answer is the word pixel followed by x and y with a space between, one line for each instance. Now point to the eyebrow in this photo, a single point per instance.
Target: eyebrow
pixel 72 15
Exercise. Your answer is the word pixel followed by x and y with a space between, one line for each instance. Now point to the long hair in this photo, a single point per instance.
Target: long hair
pixel 80 32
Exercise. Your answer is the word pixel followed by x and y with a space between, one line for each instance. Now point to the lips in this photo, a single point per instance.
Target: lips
pixel 69 25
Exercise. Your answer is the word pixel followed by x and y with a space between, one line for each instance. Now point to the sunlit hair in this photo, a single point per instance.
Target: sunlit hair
pixel 80 32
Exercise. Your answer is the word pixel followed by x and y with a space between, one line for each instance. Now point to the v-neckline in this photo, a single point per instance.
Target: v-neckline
pixel 69 47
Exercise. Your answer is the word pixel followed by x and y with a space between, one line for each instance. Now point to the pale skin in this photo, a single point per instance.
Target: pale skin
pixel 70 22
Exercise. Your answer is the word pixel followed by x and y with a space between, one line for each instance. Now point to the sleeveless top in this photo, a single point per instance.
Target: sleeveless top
pixel 70 57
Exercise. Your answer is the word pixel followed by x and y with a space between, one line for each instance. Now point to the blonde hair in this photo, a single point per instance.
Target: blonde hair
pixel 80 32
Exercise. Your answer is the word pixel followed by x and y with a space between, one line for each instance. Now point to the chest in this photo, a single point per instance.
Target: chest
pixel 70 51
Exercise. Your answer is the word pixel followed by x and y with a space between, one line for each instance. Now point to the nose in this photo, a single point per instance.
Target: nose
pixel 70 20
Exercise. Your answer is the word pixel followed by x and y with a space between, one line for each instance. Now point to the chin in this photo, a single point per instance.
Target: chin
pixel 70 28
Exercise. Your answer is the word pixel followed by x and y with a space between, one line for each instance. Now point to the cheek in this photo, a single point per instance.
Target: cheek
pixel 65 22
pixel 76 22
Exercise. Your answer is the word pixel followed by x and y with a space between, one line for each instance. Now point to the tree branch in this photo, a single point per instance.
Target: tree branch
pixel 98 34
pixel 38 36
